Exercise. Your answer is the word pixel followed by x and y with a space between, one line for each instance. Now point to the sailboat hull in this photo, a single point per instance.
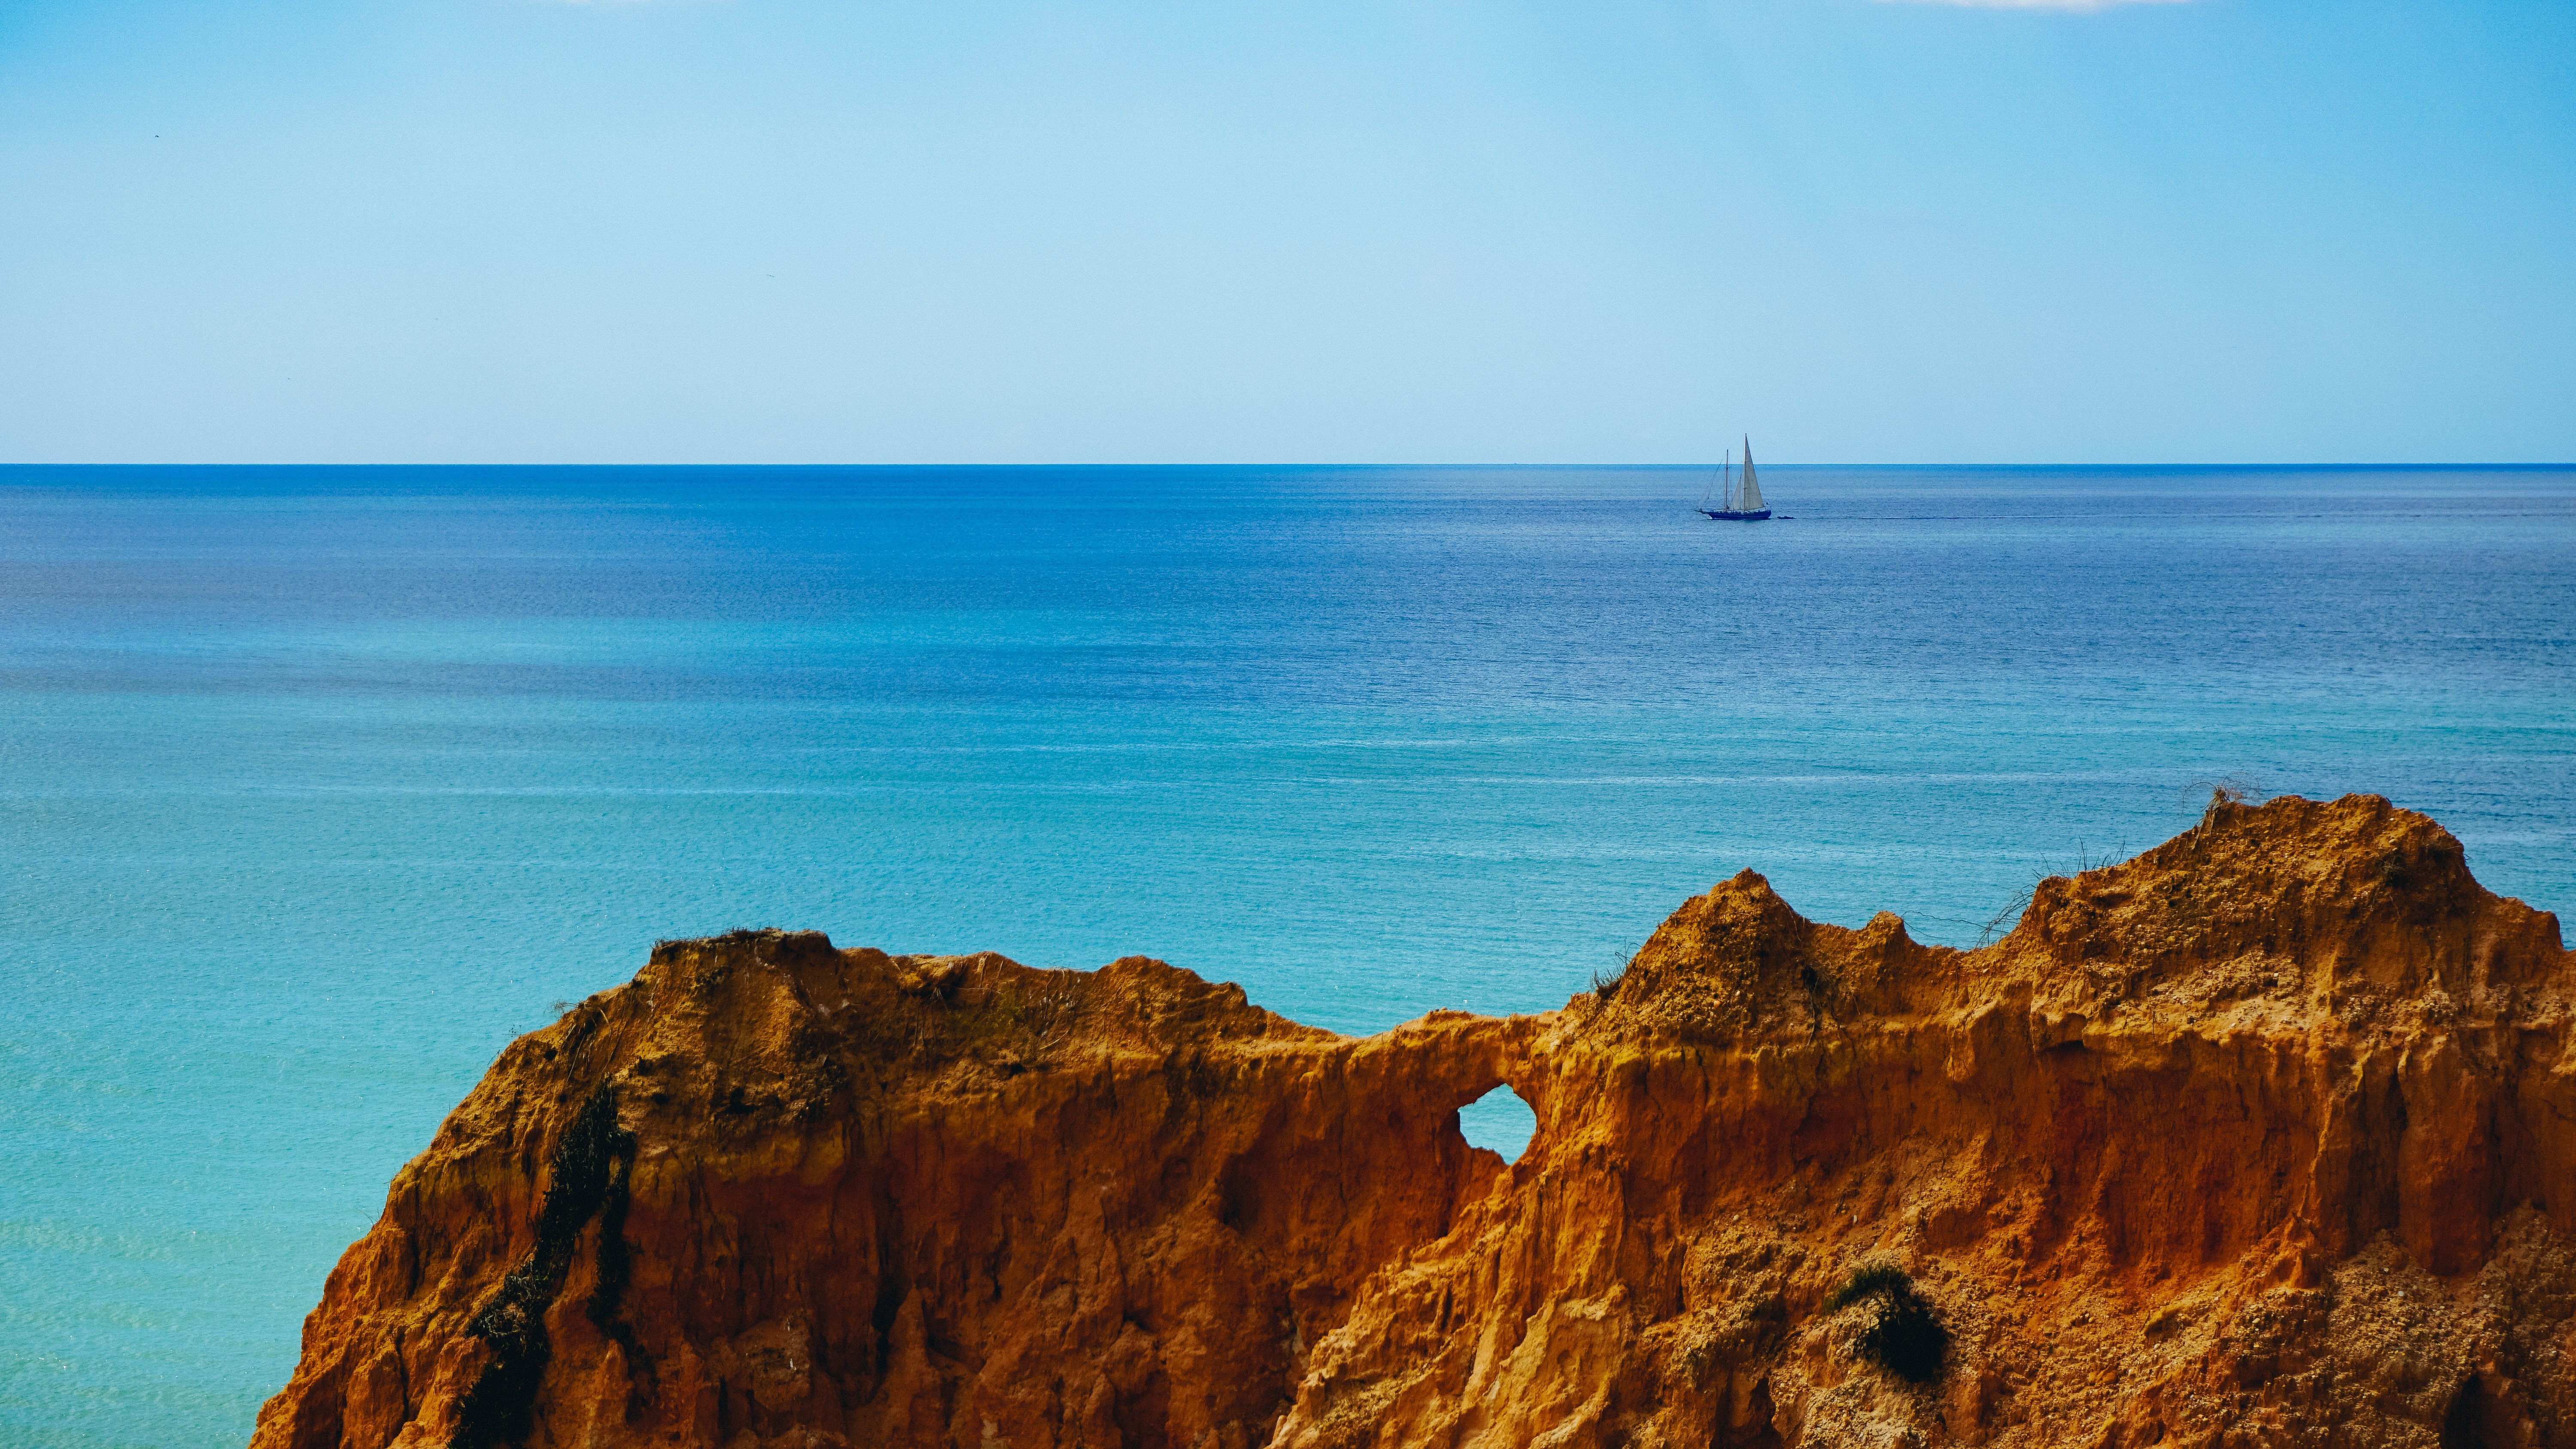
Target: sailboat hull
pixel 1728 515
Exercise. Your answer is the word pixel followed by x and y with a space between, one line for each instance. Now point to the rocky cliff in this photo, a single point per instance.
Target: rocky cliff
pixel 2267 1136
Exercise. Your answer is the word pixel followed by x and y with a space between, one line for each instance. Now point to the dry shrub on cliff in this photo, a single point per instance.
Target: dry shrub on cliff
pixel 2002 921
pixel 1606 988
pixel 1903 1336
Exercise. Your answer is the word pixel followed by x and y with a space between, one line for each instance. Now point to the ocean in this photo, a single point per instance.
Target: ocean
pixel 320 784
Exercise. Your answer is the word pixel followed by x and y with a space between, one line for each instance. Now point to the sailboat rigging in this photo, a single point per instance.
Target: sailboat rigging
pixel 1743 500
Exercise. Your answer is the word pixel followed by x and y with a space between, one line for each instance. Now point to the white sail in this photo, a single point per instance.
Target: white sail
pixel 1750 499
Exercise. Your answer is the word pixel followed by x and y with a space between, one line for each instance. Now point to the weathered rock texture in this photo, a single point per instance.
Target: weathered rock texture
pixel 2265 1137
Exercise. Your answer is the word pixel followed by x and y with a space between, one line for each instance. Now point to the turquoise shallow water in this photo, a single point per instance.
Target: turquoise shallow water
pixel 318 785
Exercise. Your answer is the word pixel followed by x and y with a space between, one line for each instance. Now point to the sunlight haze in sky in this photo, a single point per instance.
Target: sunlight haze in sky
pixel 795 231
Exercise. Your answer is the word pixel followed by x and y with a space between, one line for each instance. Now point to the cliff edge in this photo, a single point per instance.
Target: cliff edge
pixel 2267 1136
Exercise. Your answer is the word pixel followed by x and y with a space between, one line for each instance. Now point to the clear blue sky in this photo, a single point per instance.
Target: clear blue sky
pixel 788 230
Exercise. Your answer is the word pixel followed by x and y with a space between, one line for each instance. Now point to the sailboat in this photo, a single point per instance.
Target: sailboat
pixel 1743 500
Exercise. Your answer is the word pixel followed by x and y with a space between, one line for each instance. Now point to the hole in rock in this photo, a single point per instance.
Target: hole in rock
pixel 1498 1121
pixel 2461 1424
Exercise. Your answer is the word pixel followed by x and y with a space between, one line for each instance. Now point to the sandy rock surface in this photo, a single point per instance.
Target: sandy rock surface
pixel 2267 1136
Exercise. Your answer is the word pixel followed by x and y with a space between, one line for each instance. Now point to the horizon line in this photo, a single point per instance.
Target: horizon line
pixel 2544 466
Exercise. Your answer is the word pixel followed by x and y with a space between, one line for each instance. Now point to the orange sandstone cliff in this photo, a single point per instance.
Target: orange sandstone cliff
pixel 2267 1136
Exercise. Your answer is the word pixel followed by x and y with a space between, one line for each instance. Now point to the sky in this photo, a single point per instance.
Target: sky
pixel 1123 231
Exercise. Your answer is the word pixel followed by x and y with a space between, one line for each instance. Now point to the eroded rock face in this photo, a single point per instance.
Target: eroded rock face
pixel 2265 1137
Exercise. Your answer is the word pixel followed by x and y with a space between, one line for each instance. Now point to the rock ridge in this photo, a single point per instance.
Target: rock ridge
pixel 2266 1136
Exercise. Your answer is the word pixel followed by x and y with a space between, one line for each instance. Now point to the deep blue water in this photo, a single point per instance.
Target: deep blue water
pixel 318 785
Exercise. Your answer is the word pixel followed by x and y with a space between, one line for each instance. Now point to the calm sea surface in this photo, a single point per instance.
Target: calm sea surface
pixel 317 785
